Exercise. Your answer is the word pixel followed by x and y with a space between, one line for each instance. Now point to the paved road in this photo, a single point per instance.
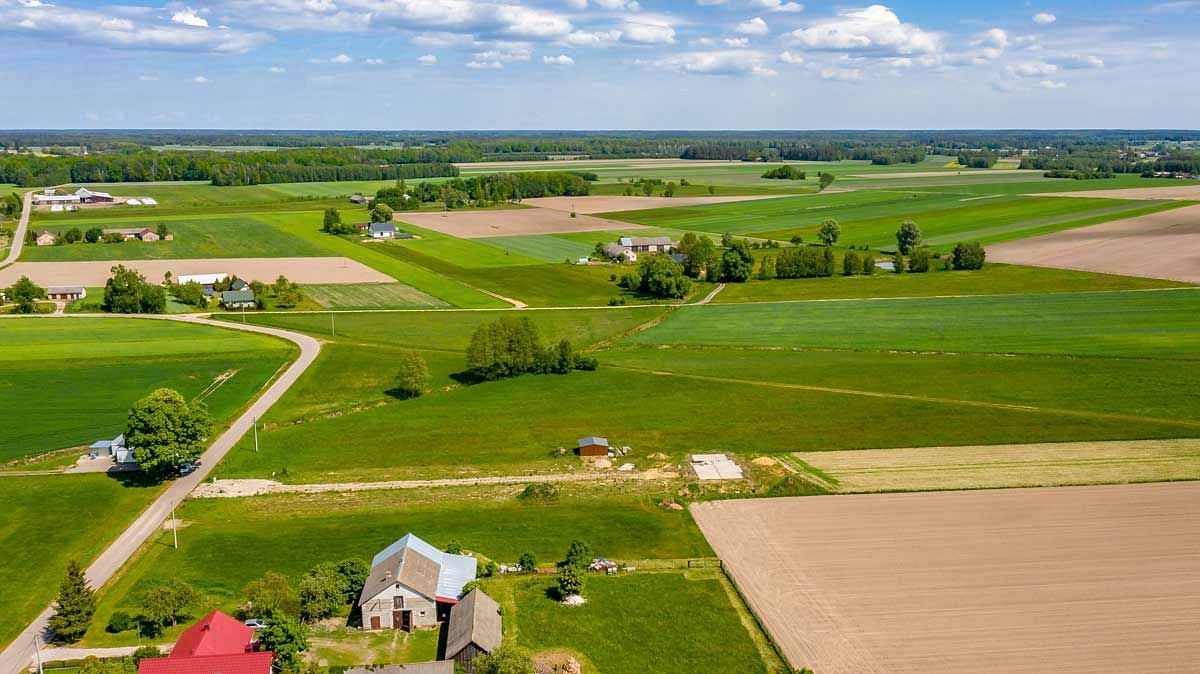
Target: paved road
pixel 14 251
pixel 19 653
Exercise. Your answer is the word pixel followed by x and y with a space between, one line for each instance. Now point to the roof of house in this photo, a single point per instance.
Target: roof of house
pixel 420 567
pixel 85 192
pixel 215 634
pixel 46 232
pixel 202 279
pixel 382 227
pixel 126 230
pixel 438 667
pixel 65 290
pixel 474 620
pixel 593 440
pixel 238 663
pixel 646 241
pixel 238 284
pixel 234 296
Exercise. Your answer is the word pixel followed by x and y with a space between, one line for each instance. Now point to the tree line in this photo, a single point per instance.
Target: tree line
pixel 482 190
pixel 511 346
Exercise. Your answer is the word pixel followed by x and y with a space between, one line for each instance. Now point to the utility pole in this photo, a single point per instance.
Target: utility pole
pixel 37 648
pixel 256 434
pixel 174 527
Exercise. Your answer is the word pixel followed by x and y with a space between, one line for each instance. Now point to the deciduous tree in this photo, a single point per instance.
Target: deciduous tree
pixel 829 232
pixel 908 237
pixel 412 377
pixel 166 430
pixel 25 294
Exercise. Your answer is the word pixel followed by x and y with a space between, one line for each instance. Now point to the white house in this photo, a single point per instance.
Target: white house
pixel 647 244
pixel 382 230
pixel 413 584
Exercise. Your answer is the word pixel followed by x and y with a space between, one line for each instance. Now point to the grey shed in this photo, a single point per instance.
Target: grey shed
pixel 474 630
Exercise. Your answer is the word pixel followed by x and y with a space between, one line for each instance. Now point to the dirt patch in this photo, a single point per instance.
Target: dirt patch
pixel 942 174
pixel 266 269
pixel 1080 578
pixel 238 488
pixel 510 222
pixel 611 204
pixel 1185 192
pixel 1162 245
pixel 765 462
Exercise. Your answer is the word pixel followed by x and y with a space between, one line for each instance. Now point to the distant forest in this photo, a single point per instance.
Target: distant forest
pixel 258 157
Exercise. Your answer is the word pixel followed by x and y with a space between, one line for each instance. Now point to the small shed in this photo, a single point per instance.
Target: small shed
pixel 593 446
pixel 46 238
pixel 238 299
pixel 475 629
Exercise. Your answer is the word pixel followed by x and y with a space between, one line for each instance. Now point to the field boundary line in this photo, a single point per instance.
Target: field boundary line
pixel 915 398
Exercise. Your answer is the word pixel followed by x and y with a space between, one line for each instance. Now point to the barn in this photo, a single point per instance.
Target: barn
pixel 412 584
pixel 474 629
pixel 593 446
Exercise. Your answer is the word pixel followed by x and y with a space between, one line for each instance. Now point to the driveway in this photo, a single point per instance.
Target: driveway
pixel 18 243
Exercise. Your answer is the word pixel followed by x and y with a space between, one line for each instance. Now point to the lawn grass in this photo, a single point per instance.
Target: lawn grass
pixel 73 380
pixel 370 296
pixel 641 622
pixel 1156 324
pixel 48 521
pixel 993 279
pixel 226 543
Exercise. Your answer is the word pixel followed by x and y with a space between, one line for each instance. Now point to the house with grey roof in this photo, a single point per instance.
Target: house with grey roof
pixel 382 230
pixel 412 585
pixel 474 630
pixel 238 299
pixel 647 244
pixel 65 292
pixel 121 453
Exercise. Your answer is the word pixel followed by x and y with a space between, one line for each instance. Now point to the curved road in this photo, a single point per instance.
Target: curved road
pixel 18 242
pixel 19 654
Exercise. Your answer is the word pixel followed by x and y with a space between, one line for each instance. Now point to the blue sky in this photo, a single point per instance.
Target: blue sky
pixel 597 64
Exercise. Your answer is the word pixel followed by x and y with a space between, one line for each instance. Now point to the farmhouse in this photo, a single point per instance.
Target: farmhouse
pixel 412 584
pixel 218 644
pixel 593 446
pixel 139 233
pixel 54 199
pixel 647 244
pixel 206 281
pixel 46 238
pixel 474 629
pixel 382 230
pixel 238 299
pixel 616 251
pixel 65 292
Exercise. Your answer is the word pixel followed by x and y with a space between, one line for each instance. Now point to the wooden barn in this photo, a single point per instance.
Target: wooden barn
pixel 475 629
pixel 593 446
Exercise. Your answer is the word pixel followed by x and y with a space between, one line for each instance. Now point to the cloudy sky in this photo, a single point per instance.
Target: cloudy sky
pixel 597 64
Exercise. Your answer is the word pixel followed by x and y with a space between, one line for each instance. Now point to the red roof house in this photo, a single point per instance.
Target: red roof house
pixel 218 644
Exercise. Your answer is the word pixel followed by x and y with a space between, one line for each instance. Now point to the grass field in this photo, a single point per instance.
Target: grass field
pixel 103 365
pixel 47 522
pixel 370 296
pixel 994 466
pixel 226 543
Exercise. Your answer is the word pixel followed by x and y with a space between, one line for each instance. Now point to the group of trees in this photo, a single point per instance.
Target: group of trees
pixel 11 205
pixel 332 223
pixel 94 235
pixel 659 276
pixel 127 292
pixel 25 295
pixel 483 190
pixel 785 172
pixel 511 346
pixel 329 587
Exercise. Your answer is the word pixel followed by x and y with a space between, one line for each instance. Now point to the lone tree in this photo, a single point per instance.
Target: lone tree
pixel 332 220
pixel 908 237
pixel 829 232
pixel 968 255
pixel 570 581
pixel 826 180
pixel 165 430
pixel 413 377
pixel 167 604
pixel 25 294
pixel 74 606
pixel 381 213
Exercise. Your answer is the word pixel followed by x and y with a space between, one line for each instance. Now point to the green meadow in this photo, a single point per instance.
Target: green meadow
pixel 370 296
pixel 73 380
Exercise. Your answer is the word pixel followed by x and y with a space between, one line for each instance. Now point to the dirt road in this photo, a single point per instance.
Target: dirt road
pixel 18 243
pixel 17 656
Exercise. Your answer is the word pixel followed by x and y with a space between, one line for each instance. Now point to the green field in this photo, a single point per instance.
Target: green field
pixel 73 380
pixel 370 296
pixel 49 521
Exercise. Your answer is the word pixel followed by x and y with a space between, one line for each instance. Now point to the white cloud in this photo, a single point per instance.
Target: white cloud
pixel 201 79
pixel 991 44
pixel 1175 7
pixel 703 42
pixel 777 5
pixel 560 60
pixel 341 58
pixel 72 24
pixel 373 62
pixel 755 26
pixel 427 60
pixel 599 38
pixel 789 57
pixel 1044 18
pixel 443 40
pixel 841 74
pixel 1078 61
pixel 736 41
pixel 277 69
pixel 647 30
pixel 1051 84
pixel 717 63
pixel 1033 69
pixel 708 3
pixel 485 65
pixel 188 17
pixel 874 30
pixel 504 53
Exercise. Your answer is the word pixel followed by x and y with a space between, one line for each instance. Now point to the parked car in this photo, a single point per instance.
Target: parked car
pixel 255 623
pixel 186 468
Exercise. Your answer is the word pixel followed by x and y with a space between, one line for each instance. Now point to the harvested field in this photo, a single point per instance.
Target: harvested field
pixel 297 269
pixel 1074 579
pixel 1162 245
pixel 1186 191
pixel 992 466
pixel 511 222
pixel 612 204
pixel 992 173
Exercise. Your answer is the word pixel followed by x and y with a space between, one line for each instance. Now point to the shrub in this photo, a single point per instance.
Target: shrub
pixel 851 264
pixel 528 562
pixel 920 261
pixel 868 264
pixel 489 569
pixel 570 581
pixel 120 621
pixel 968 255
pixel 898 261
pixel 541 492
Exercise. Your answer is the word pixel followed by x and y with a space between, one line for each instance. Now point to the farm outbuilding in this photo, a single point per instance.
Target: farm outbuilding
pixel 65 292
pixel 593 446
pixel 382 230
pixel 359 199
pixel 475 629
pixel 46 238
pixel 412 584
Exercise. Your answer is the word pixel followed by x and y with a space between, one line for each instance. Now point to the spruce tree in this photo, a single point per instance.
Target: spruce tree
pixel 75 605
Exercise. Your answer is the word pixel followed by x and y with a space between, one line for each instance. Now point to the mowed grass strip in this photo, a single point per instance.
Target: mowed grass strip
pixel 1151 324
pixel 997 466
pixel 460 252
pixel 993 279
pixel 370 296
pixel 49 521
pixel 226 543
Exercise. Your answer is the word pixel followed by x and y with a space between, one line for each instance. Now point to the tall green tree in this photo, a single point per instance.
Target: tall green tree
pixel 74 606
pixel 826 179
pixel 271 595
pixel 412 377
pixel 829 232
pixel 322 592
pixel 381 213
pixel 166 430
pixel 908 237
pixel 332 220
pixel 699 254
pixel 662 277
pixel 25 294
pixel 579 554
pixel 571 580
pixel 127 292
pixel 287 639
pixel 968 255
pixel 737 262
pixel 167 604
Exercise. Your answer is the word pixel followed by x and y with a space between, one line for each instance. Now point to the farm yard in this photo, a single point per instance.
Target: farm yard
pixel 1066 360
pixel 910 582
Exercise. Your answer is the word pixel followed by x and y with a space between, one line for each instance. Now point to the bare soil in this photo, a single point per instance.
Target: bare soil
pixel 510 222
pixel 1185 191
pixel 267 269
pixel 1162 245
pixel 1068 579
pixel 611 204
